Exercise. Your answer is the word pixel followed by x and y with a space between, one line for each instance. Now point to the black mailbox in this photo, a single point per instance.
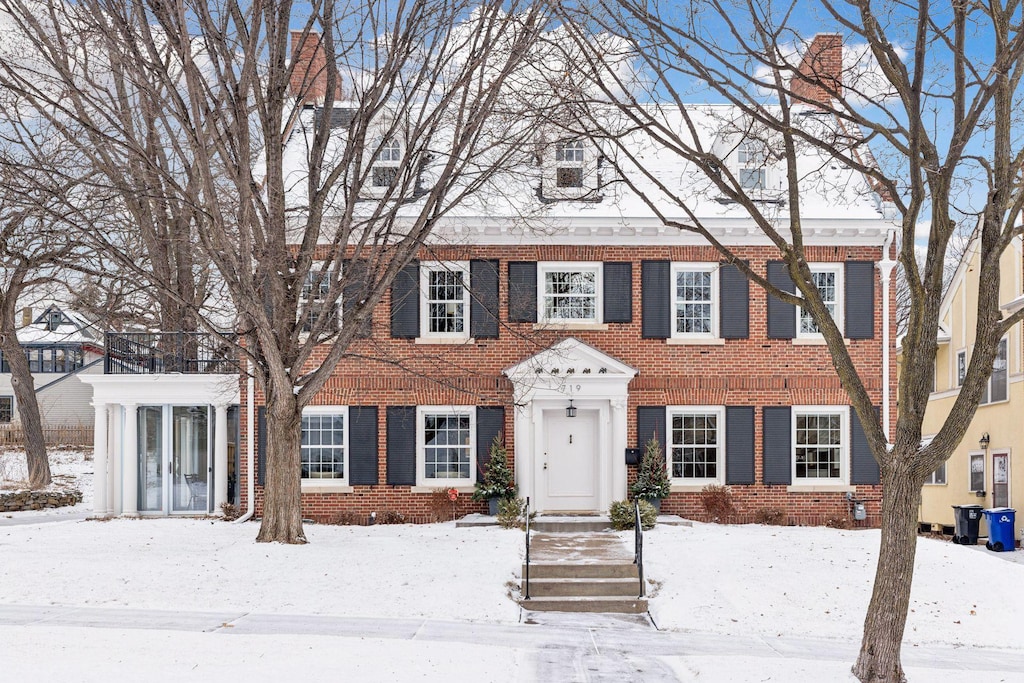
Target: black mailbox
pixel 632 456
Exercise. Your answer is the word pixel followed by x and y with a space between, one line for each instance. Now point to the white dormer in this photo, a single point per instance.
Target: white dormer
pixel 570 170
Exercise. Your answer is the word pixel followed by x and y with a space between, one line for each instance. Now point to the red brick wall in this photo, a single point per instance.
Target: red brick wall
pixel 755 371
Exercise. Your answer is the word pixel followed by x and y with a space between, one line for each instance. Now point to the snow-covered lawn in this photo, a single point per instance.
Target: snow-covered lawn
pixel 745 582
pixel 68 469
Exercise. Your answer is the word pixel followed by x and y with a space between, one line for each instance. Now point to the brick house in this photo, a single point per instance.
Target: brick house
pixel 577 295
pixel 561 314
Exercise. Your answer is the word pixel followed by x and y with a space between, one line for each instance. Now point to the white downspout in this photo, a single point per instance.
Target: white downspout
pixel 250 432
pixel 885 267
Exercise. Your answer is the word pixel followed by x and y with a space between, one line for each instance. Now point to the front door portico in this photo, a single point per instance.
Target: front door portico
pixel 570 461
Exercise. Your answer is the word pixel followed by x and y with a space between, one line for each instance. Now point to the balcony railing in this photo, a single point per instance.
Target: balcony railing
pixel 150 353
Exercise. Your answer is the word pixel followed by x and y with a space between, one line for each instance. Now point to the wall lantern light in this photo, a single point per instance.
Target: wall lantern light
pixel 571 410
pixel 984 441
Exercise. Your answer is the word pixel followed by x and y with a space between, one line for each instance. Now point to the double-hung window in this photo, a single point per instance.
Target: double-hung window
pixel 569 158
pixel 6 409
pixel 996 387
pixel 444 303
pixel 696 442
pixel 386 163
pixel 694 300
pixel 324 448
pixel 446 448
pixel 570 292
pixel 752 158
pixel 828 279
pixel 315 291
pixel 820 444
pixel 938 477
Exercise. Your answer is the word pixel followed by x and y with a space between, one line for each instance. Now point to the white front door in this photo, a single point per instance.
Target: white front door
pixel 568 466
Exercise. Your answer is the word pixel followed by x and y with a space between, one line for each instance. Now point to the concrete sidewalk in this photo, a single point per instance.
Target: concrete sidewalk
pixel 558 644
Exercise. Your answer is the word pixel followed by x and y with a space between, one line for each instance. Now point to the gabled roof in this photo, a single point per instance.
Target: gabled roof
pixel 56 325
pixel 571 358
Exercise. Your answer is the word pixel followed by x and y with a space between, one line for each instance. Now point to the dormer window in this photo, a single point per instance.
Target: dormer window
pixel 751 158
pixel 569 159
pixel 385 165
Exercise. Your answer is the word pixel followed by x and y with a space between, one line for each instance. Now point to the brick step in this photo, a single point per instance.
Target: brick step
pixel 619 605
pixel 551 588
pixel 594 570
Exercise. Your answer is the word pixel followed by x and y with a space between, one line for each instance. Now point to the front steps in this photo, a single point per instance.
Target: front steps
pixel 584 587
pixel 577 565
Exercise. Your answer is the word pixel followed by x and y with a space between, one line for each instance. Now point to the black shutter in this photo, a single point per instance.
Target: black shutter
pixel 401 449
pixel 863 466
pixel 522 292
pixel 405 303
pixel 860 299
pixel 261 445
pixel 650 421
pixel 618 292
pixel 356 274
pixel 781 316
pixel 483 305
pixel 778 445
pixel 362 445
pixel 734 303
pixel 490 422
pixel 655 290
pixel 739 445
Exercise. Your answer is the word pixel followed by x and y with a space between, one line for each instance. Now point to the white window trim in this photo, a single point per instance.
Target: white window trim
pixel 930 481
pixel 551 166
pixel 427 267
pixel 695 267
pixel 743 166
pixel 316 483
pixel 844 447
pixel 421 479
pixel 840 314
pixel 988 382
pixel 545 267
pixel 375 191
pixel 318 267
pixel 984 471
pixel 719 412
pixel 957 382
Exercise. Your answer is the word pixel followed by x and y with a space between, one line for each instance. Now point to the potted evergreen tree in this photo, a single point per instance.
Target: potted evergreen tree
pixel 652 483
pixel 498 481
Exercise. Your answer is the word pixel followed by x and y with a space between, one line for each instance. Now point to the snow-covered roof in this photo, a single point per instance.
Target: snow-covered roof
pixel 55 325
pixel 837 203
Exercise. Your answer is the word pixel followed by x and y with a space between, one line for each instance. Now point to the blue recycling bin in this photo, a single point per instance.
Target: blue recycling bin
pixel 1000 529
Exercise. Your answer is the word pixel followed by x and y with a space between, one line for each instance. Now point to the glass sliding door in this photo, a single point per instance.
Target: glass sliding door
pixel 151 458
pixel 190 458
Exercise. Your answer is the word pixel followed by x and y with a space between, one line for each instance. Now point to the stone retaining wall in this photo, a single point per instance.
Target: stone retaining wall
pixel 37 500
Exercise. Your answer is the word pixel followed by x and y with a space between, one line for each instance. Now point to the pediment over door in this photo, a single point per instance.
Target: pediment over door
pixel 569 367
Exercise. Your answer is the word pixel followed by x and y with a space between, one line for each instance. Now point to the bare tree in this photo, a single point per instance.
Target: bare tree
pixel 35 243
pixel 279 160
pixel 923 108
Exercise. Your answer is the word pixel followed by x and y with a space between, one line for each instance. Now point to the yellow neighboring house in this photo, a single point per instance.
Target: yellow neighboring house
pixel 982 470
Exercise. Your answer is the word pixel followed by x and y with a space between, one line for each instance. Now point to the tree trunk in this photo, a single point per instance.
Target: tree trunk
pixel 879 658
pixel 28 408
pixel 282 505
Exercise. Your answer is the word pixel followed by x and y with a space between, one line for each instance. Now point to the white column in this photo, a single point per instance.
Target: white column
pixel 100 460
pixel 130 462
pixel 220 457
pixel 618 424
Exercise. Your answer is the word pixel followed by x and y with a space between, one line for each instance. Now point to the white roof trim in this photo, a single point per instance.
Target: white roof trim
pixel 571 358
pixel 1015 305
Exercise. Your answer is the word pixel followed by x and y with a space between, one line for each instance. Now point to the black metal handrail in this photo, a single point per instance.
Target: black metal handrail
pixel 149 353
pixel 526 571
pixel 638 540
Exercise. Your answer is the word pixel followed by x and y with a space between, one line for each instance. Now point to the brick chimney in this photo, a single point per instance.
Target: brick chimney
pixel 26 316
pixel 309 76
pixel 822 67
